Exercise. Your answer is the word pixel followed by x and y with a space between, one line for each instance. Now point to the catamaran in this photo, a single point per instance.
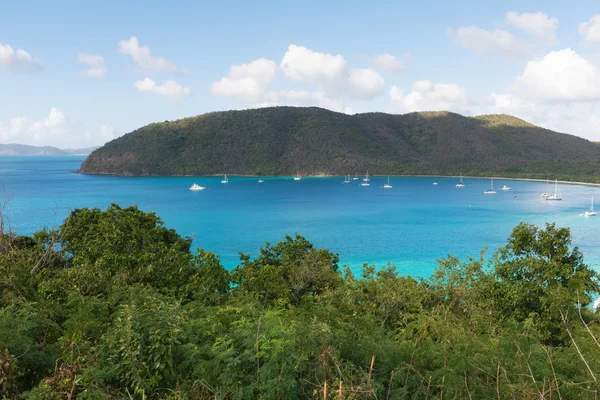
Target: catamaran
pixel 387 185
pixel 591 212
pixel 297 177
pixel 461 183
pixel 557 194
pixel 491 189
pixel 366 180
pixel 197 187
pixel 347 180
pixel 225 180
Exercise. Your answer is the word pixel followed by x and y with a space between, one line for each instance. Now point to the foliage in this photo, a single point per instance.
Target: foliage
pixel 314 141
pixel 113 305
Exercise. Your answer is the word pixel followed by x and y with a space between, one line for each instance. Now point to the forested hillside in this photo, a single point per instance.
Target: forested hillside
pixel 312 141
pixel 113 305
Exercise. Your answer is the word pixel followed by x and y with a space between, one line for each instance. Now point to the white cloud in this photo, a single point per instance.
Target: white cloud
pixel 302 64
pixel 568 117
pixel 364 83
pixel 170 89
pixel 538 25
pixel 144 59
pixel 490 43
pixel 247 81
pixel 560 76
pixel 97 68
pixel 428 96
pixel 18 60
pixel 387 63
pixel 590 30
pixel 560 91
pixel 330 73
pixel 54 130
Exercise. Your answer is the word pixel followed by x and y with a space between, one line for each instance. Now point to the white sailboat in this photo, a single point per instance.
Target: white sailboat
pixel 355 177
pixel 591 212
pixel 387 185
pixel 297 177
pixel 195 187
pixel 461 183
pixel 347 180
pixel 225 180
pixel 366 180
pixel 545 194
pixel 491 189
pixel 557 194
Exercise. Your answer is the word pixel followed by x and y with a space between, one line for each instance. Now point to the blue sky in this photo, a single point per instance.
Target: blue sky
pixel 87 77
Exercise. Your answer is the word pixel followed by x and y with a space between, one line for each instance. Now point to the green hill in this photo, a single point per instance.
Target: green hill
pixel 314 141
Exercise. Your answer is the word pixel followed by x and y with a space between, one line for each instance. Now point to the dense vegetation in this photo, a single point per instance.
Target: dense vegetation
pixel 114 305
pixel 313 141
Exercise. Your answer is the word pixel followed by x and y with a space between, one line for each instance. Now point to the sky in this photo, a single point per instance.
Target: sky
pixel 77 74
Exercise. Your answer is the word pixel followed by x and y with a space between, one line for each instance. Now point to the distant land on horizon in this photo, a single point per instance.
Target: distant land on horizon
pixel 13 149
pixel 274 141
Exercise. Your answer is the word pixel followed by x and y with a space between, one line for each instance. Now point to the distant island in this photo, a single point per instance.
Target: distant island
pixel 26 150
pixel 313 141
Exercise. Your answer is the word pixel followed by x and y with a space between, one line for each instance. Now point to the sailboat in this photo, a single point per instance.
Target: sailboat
pixel 366 180
pixel 387 185
pixel 225 180
pixel 491 189
pixel 460 184
pixel 297 177
pixel 545 194
pixel 347 180
pixel 557 194
pixel 355 177
pixel 591 212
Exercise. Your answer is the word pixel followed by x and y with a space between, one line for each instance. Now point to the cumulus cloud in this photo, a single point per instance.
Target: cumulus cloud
pixel 590 30
pixel 53 130
pixel 246 81
pixel 170 89
pixel 538 25
pixel 302 64
pixel 387 63
pixel 560 91
pixel 18 60
pixel 364 83
pixel 429 96
pixel 330 73
pixel 96 69
pixel 490 43
pixel 144 59
pixel 560 76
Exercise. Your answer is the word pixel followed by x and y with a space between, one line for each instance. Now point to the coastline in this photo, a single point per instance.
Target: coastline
pixel 340 176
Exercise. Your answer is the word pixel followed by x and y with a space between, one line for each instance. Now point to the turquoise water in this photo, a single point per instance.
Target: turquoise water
pixel 411 225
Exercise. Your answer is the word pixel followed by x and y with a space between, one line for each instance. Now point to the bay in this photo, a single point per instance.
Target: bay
pixel 411 225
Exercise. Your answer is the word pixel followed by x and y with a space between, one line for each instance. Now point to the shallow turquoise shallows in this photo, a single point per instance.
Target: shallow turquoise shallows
pixel 411 225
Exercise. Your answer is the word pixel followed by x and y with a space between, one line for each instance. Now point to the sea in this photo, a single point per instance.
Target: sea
pixel 412 225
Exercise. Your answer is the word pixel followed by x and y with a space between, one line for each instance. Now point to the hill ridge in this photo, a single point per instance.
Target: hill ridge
pixel 310 140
